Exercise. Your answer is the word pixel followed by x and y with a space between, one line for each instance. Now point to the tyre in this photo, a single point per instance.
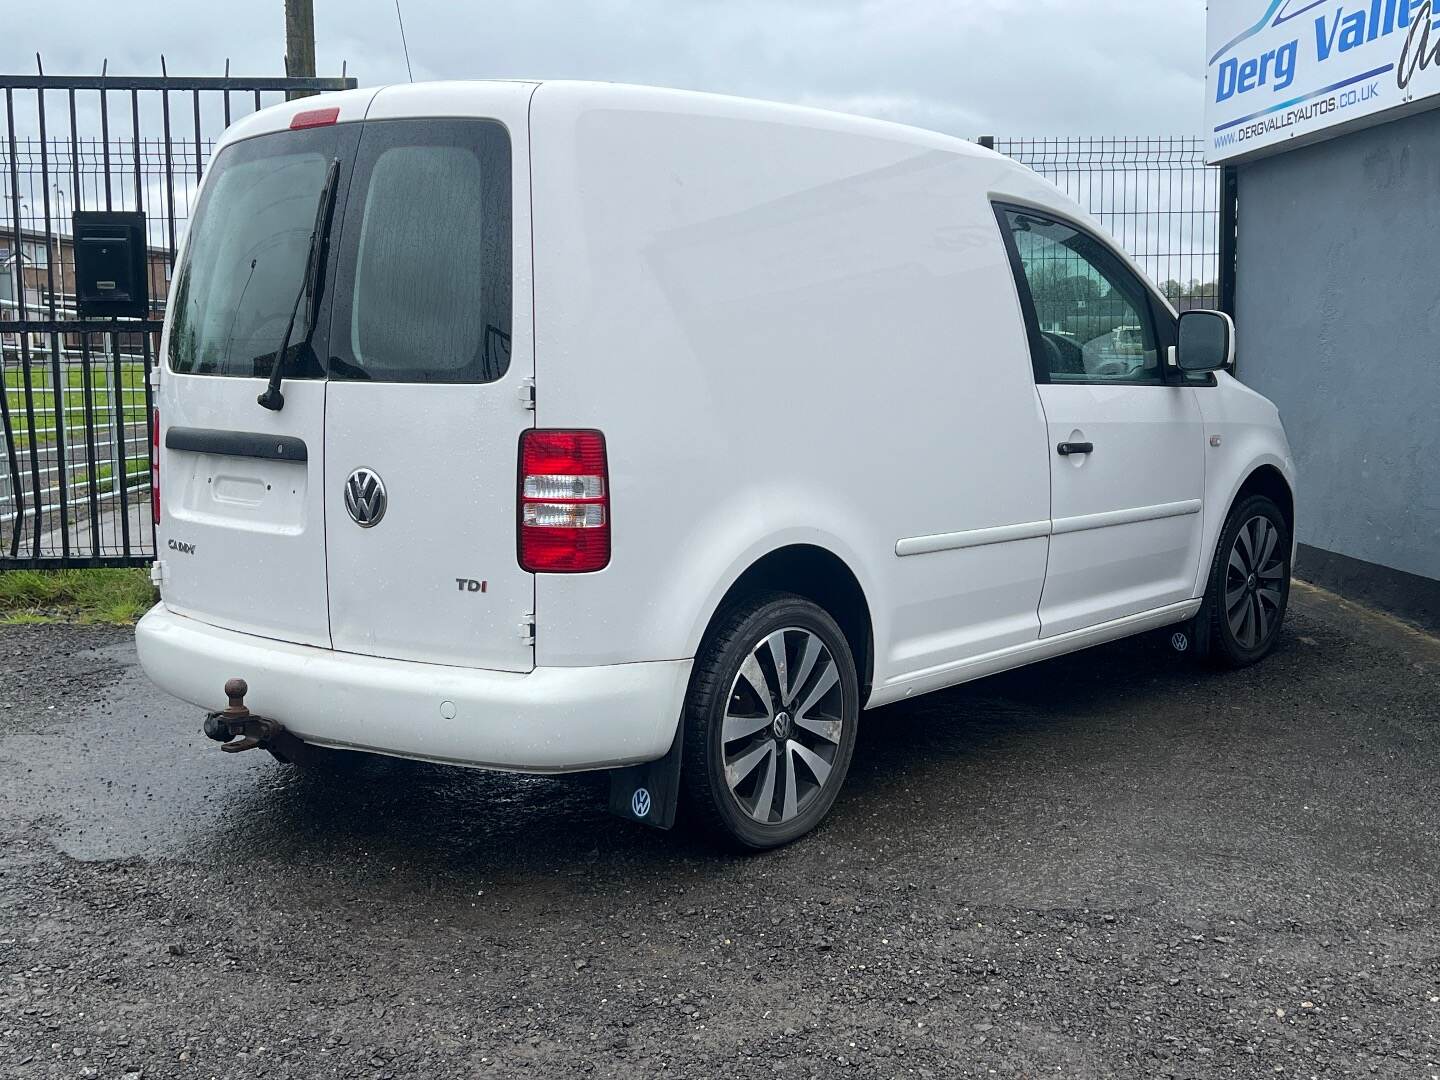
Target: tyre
pixel 1249 585
pixel 770 721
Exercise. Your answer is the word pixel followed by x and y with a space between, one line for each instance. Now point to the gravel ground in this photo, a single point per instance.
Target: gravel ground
pixel 1111 864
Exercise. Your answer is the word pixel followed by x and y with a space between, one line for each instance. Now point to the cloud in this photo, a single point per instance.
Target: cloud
pixel 967 67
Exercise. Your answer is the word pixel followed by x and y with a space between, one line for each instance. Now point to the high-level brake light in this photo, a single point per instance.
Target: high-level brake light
pixel 314 118
pixel 564 502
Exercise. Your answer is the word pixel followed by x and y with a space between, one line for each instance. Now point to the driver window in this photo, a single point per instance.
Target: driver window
pixel 1093 315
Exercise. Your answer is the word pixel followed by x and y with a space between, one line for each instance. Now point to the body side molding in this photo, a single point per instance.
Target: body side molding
pixel 1031 530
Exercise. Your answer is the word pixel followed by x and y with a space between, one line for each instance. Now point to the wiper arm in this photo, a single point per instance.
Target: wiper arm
pixel 272 398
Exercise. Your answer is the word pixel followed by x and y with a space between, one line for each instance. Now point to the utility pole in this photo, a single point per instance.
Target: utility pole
pixel 300 42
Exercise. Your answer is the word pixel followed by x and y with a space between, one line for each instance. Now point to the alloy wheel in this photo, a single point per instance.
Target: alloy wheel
pixel 1254 579
pixel 783 720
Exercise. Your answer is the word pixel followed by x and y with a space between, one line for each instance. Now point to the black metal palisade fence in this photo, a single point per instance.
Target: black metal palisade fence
pixel 75 411
pixel 75 408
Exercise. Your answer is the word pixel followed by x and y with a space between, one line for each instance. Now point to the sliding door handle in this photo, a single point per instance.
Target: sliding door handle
pixel 1065 449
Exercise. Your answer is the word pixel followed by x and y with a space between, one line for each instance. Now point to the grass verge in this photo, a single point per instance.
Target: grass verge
pixel 44 400
pixel 89 596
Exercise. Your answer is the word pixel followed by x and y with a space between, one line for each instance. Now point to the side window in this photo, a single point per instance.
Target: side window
pixel 1091 318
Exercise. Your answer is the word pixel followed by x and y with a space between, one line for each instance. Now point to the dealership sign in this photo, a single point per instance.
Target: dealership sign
pixel 1283 71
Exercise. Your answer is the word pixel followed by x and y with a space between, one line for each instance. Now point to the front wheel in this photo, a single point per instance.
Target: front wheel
pixel 770 721
pixel 1249 585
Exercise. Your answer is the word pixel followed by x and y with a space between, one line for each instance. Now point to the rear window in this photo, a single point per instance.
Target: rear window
pixel 422 293
pixel 245 258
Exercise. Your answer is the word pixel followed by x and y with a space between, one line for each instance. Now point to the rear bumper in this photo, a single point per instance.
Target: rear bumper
pixel 550 720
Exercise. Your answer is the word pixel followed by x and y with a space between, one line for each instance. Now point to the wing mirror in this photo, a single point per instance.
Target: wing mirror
pixel 1205 341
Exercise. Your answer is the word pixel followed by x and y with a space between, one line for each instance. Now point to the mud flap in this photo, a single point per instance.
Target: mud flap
pixel 649 793
pixel 1192 637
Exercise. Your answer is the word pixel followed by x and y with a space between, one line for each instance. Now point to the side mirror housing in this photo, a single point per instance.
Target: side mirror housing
pixel 1205 341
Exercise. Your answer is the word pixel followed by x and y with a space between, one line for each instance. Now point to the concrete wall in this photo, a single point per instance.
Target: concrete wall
pixel 1338 315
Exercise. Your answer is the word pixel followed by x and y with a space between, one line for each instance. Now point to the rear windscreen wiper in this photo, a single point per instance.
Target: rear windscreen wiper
pixel 272 398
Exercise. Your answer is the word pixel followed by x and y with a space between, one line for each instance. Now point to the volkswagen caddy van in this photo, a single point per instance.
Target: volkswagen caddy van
pixel 555 427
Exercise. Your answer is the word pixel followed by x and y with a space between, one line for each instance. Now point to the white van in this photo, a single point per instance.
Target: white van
pixel 628 429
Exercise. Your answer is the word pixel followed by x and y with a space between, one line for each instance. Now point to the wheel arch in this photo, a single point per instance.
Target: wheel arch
pixel 1265 473
pixel 1269 481
pixel 823 577
pixel 1263 479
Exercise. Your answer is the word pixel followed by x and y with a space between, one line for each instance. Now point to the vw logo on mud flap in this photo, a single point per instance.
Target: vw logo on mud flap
pixel 365 497
pixel 640 803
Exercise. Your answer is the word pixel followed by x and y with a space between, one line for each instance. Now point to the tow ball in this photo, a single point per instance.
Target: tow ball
pixel 236 728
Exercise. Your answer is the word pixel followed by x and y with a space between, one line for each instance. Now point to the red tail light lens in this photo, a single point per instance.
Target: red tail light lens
pixel 564 502
pixel 155 466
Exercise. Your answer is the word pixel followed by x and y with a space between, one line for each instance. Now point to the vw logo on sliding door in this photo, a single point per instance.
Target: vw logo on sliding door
pixel 365 497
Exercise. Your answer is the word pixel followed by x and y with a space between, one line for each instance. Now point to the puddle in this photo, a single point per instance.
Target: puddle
pixel 135 777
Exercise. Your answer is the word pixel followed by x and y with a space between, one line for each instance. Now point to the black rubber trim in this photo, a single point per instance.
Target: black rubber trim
pixel 252 444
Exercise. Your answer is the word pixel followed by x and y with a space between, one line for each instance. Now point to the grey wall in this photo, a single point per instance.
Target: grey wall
pixel 1338 322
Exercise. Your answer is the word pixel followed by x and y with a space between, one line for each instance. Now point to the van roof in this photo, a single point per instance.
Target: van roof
pixel 419 98
pixel 756 108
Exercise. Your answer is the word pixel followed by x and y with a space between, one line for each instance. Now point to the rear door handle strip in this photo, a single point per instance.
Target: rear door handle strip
pixel 251 444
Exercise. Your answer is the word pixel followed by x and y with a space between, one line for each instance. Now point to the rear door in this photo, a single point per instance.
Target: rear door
pixel 242 525
pixel 430 346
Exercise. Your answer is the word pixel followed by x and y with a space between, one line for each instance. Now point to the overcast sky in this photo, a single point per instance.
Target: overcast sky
pixel 967 67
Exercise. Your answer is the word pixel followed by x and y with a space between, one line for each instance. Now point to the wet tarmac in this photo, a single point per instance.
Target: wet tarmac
pixel 1110 864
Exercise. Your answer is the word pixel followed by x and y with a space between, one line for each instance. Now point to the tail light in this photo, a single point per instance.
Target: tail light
pixel 564 502
pixel 155 466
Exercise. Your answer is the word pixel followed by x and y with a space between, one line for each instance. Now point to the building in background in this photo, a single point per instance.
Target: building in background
pixel 1331 118
pixel 39 263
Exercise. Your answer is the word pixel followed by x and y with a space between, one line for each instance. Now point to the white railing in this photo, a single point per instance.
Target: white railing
pixel 115 420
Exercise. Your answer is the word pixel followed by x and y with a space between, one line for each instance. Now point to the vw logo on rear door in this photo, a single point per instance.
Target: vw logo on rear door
pixel 365 497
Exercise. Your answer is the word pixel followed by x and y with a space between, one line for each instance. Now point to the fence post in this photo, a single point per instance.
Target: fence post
pixel 1229 237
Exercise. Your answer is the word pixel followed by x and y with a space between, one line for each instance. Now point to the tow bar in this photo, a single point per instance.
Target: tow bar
pixel 249 731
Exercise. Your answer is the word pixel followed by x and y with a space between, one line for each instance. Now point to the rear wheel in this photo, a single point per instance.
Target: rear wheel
pixel 770 721
pixel 1249 585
